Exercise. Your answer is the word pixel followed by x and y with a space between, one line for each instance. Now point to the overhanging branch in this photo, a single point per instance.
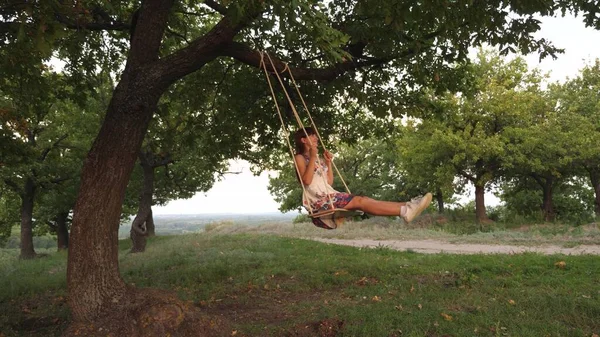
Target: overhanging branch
pixel 14 186
pixel 95 26
pixel 249 56
pixel 47 150
pixel 202 50
pixel 9 27
pixel 215 6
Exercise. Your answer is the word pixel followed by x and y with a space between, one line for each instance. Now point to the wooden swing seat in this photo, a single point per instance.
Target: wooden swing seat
pixel 332 218
pixel 336 213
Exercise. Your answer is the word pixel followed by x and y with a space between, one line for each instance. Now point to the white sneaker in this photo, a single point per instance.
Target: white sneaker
pixel 416 206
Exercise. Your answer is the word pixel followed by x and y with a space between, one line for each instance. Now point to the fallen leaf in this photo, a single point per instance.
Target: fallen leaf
pixel 412 288
pixel 234 332
pixel 560 264
pixel 420 306
pixel 446 316
pixel 363 281
pixel 376 299
pixel 511 302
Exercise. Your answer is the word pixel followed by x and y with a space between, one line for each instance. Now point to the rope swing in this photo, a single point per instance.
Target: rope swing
pixel 332 216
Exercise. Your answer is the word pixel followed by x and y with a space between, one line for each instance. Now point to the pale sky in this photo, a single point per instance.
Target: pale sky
pixel 246 193
pixel 238 193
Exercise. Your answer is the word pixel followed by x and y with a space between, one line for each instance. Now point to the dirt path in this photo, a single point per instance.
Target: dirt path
pixel 434 246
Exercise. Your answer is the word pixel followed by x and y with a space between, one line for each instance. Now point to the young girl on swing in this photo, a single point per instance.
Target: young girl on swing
pixel 317 178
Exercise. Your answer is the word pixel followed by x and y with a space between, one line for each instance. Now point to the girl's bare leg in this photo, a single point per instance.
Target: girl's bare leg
pixel 375 207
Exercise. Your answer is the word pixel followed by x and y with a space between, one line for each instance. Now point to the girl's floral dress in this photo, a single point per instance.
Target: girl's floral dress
pixel 320 195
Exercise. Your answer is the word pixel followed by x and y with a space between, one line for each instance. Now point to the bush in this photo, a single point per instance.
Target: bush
pixel 302 218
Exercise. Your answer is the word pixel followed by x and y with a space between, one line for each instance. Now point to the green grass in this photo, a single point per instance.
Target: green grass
pixel 269 285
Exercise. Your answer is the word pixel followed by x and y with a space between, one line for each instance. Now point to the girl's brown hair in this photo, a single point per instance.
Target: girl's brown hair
pixel 301 133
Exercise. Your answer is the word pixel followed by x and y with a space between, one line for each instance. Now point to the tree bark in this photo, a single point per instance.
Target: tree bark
pixel 595 180
pixel 94 282
pixel 548 205
pixel 140 227
pixel 27 250
pixel 480 212
pixel 62 233
pixel 439 197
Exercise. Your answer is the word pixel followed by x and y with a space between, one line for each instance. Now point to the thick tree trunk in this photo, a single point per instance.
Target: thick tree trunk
pixel 595 180
pixel 439 197
pixel 27 251
pixel 480 212
pixel 62 233
pixel 95 285
pixel 139 227
pixel 548 205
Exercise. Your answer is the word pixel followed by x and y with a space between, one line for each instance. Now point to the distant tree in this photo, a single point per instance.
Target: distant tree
pixel 464 134
pixel 425 163
pixel 545 148
pixel 50 141
pixel 572 200
pixel 581 96
pixel 27 114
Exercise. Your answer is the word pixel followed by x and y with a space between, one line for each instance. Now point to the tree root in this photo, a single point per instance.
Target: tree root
pixel 151 313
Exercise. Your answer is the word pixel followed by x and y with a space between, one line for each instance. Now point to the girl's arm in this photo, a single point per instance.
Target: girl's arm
pixel 328 158
pixel 306 170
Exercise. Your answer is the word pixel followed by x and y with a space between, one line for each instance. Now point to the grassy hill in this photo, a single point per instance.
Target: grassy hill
pixel 263 281
pixel 193 223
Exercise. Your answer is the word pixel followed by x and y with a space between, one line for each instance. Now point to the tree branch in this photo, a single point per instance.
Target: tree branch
pixel 163 162
pixel 202 50
pixel 192 13
pixel 216 7
pixel 252 57
pixel 174 33
pixel 49 223
pixel 60 180
pixel 9 27
pixel 538 179
pixel 464 173
pixel 46 151
pixel 93 26
pixel 14 186
pixel 149 30
pixel 218 86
